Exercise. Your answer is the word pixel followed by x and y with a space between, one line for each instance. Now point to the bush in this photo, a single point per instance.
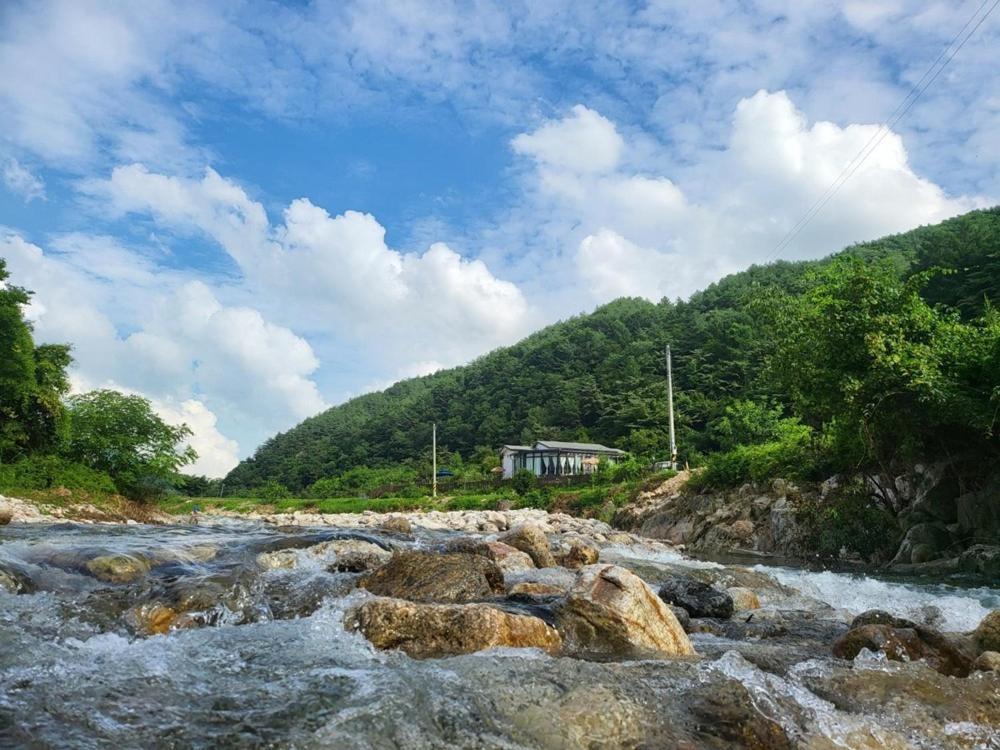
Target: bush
pixel 45 472
pixel 795 455
pixel 523 482
pixel 855 522
pixel 272 491
pixel 536 498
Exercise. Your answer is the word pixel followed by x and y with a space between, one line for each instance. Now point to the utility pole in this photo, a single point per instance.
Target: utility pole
pixel 434 460
pixel 670 408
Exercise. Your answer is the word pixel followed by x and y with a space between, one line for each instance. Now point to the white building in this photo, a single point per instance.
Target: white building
pixel 556 458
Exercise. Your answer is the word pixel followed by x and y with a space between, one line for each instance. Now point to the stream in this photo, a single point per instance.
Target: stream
pixel 264 660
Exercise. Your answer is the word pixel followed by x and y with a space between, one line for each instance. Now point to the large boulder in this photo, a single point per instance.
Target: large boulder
pixel 429 577
pixel 941 653
pixel 434 630
pixel 6 514
pixel 611 611
pixel 118 568
pixel 988 661
pixel 699 599
pixel 924 542
pixel 529 538
pixel 744 599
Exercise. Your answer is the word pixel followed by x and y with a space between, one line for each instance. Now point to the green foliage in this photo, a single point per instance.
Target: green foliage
pixel 121 435
pixel 852 521
pixel 523 482
pixel 47 472
pixel 32 380
pixel 600 377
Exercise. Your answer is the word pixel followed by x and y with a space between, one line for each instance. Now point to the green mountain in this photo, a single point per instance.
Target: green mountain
pixel 601 377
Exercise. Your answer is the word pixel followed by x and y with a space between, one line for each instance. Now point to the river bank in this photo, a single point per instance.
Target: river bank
pixel 501 629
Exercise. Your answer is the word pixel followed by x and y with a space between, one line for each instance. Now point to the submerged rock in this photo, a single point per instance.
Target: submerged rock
pixel 434 630
pixel 699 599
pixel 118 568
pixel 610 610
pixel 942 654
pixel 345 555
pixel 429 577
pixel 530 539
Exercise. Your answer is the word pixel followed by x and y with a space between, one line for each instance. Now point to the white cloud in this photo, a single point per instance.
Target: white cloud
pixel 582 142
pixel 334 271
pixel 20 181
pixel 640 234
pixel 168 337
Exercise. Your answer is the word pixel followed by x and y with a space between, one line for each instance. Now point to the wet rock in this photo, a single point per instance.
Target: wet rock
pixel 987 635
pixel 589 716
pixel 289 597
pixel 699 599
pixel 281 559
pixel 429 577
pixel 117 568
pixel 610 610
pixel 397 524
pixel 942 654
pixel 729 713
pixel 558 580
pixel 880 617
pixel 530 539
pixel 988 661
pixel 153 618
pixel 580 553
pixel 682 617
pixel 6 514
pixel 744 599
pixel 435 630
pixel 981 559
pixel 351 555
pixel 535 589
pixel 507 558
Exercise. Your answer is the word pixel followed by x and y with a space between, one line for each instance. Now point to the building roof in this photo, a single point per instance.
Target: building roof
pixel 588 447
pixel 519 447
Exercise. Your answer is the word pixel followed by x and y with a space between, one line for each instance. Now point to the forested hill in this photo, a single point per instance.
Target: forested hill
pixel 601 377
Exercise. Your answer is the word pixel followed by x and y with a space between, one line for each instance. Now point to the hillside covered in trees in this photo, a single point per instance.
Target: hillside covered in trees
pixel 830 352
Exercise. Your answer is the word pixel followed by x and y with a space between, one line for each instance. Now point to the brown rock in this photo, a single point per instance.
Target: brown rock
pixel 579 554
pixel 118 568
pixel 398 524
pixel 988 661
pixel 507 558
pixel 531 539
pixel 535 589
pixel 744 599
pixel 6 514
pixel 741 530
pixel 610 610
pixel 429 577
pixel 987 635
pixel 434 630
pixel 151 618
pixel 907 644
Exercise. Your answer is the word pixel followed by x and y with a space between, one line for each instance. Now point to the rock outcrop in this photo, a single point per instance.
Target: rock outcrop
pixel 611 611
pixel 435 630
pixel 429 577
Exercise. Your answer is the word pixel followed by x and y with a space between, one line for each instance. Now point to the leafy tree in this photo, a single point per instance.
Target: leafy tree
pixel 121 434
pixel 32 380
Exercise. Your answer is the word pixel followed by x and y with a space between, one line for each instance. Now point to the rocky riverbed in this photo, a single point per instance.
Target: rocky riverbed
pixel 515 629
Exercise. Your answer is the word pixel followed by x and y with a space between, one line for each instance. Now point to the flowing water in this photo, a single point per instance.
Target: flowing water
pixel 265 662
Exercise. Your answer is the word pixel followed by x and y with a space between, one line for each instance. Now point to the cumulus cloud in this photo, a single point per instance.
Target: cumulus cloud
pixel 641 234
pixel 333 270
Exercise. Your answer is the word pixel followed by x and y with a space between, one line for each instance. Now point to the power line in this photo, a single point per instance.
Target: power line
pixel 929 76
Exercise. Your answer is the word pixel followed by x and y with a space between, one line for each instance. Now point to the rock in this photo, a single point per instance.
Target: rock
pixel 118 568
pixel 988 661
pixel 610 610
pixel 742 530
pixel 981 559
pixel 507 558
pixel 923 553
pixel 906 644
pixel 6 514
pixel 282 559
pixel 682 617
pixel 429 577
pixel 397 524
pixel 535 589
pixel 880 617
pixel 434 630
pixel 580 553
pixel 536 580
pixel 699 599
pixel 351 555
pixel 744 599
pixel 530 539
pixel 987 635
pixel 151 618
pixel 928 540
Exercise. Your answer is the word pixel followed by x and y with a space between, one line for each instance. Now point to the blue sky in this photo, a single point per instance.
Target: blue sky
pixel 250 211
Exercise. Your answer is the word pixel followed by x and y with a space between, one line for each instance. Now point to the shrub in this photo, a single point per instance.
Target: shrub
pixel 854 521
pixel 523 481
pixel 44 472
pixel 272 491
pixel 795 455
